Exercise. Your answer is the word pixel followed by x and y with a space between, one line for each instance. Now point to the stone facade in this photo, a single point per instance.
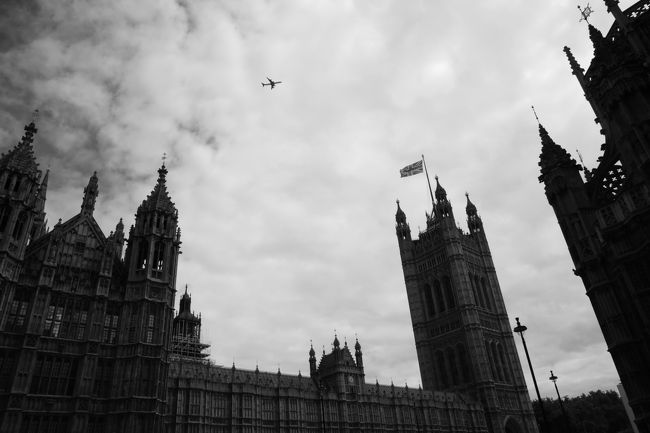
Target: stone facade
pixel 462 333
pixel 88 341
pixel 605 216
pixel 204 398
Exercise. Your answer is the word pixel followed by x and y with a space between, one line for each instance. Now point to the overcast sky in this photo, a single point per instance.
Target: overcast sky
pixel 286 197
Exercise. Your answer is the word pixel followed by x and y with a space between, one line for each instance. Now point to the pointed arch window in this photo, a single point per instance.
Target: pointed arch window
pixel 449 293
pixel 481 294
pixel 486 293
pixel 428 300
pixel 437 294
pixel 20 225
pixel 504 363
pixel 159 256
pixel 17 184
pixel 143 254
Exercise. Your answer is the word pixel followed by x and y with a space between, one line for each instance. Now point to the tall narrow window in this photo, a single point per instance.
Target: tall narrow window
pixel 20 225
pixel 110 327
pixel 504 363
pixel 437 293
pixel 150 328
pixel 449 293
pixel 143 254
pixel 428 298
pixel 5 213
pixel 159 256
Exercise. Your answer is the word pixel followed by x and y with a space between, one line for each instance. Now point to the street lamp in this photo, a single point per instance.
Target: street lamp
pixel 553 379
pixel 519 329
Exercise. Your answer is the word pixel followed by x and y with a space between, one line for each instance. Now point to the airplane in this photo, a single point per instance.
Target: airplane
pixel 271 83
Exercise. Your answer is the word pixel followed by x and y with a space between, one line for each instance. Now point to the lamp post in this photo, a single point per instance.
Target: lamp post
pixel 553 379
pixel 519 329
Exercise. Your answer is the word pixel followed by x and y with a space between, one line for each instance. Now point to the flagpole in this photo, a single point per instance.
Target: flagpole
pixel 428 182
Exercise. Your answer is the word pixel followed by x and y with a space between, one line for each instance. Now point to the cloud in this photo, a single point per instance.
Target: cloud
pixel 286 196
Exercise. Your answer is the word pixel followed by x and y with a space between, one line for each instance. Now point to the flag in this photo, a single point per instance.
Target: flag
pixel 411 169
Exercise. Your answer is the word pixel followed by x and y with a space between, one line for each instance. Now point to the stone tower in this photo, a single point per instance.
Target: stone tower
pixel 605 216
pixel 462 333
pixel 151 260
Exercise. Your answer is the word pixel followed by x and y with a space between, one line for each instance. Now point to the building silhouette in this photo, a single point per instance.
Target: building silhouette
pixel 463 337
pixel 605 216
pixel 89 341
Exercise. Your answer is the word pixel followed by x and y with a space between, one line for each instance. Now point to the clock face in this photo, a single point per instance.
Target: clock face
pixel 350 380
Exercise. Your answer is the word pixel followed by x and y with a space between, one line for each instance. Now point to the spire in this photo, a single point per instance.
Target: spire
pixel 552 155
pixel 474 222
pixel 21 158
pixel 90 195
pixel 575 66
pixel 400 216
pixel 336 343
pixel 185 303
pixel 470 208
pixel 599 42
pixel 441 194
pixel 159 198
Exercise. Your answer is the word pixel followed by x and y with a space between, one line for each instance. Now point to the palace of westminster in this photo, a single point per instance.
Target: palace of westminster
pixel 90 342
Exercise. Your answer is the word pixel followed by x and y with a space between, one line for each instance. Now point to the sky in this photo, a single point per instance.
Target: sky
pixel 286 197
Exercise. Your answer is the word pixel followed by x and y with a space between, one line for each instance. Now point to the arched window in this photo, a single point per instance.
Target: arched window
pixel 17 184
pixel 8 182
pixel 449 293
pixel 486 291
pixel 491 359
pixel 143 255
pixel 159 256
pixel 437 294
pixel 20 225
pixel 497 362
pixel 481 300
pixel 428 301
pixel 504 363
pixel 474 292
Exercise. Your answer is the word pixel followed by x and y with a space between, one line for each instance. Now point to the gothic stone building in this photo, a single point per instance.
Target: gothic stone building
pixel 605 217
pixel 462 333
pixel 89 343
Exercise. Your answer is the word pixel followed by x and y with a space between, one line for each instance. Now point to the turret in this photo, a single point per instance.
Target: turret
pixel 565 191
pixel 154 241
pixel 474 222
pixel 402 228
pixel 19 183
pixel 312 361
pixel 442 208
pixel 358 355
pixel 91 191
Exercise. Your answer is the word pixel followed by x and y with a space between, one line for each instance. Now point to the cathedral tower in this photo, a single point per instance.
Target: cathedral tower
pixel 605 217
pixel 151 259
pixel 462 334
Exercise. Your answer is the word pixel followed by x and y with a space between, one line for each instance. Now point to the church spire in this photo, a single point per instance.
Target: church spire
pixel 91 191
pixel 552 155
